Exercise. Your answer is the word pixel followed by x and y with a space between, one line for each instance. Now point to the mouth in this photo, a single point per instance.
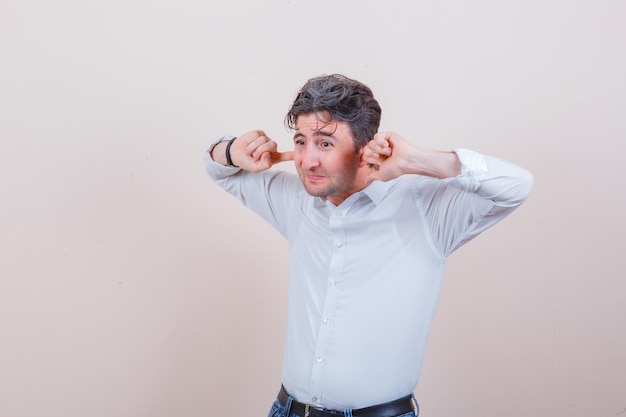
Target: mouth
pixel 314 177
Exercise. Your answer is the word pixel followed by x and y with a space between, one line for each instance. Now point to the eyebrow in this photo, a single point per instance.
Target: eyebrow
pixel 316 133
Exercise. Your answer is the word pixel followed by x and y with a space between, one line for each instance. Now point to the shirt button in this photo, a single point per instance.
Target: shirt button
pixel 314 399
pixel 339 214
pixel 319 359
pixel 333 283
pixel 339 244
pixel 326 320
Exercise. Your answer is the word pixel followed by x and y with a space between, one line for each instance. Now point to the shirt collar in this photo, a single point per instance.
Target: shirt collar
pixel 377 190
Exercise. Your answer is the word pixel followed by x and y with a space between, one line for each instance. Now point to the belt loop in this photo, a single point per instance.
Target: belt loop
pixel 417 406
pixel 288 406
pixel 347 412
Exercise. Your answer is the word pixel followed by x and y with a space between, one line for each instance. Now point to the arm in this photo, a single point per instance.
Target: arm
pixel 267 192
pixel 253 151
pixel 499 181
pixel 473 191
pixel 393 156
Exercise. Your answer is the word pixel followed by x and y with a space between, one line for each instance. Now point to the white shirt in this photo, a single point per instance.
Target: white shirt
pixel 364 276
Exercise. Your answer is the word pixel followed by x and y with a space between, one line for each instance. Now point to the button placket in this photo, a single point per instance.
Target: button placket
pixel 335 269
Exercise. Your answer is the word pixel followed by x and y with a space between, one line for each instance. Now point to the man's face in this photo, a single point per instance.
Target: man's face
pixel 325 158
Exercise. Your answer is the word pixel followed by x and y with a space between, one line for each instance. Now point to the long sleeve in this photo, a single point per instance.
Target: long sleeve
pixel 487 190
pixel 217 171
pixel 268 193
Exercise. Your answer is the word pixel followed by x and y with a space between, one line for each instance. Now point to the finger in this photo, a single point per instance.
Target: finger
pixel 285 156
pixel 372 156
pixel 370 148
pixel 260 147
pixel 381 143
pixel 252 136
pixel 369 156
pixel 254 140
pixel 266 160
pixel 278 157
pixel 254 143
pixel 382 137
pixel 261 164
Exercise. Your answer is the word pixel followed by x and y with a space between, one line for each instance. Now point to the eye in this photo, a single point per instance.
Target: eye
pixel 326 144
pixel 299 142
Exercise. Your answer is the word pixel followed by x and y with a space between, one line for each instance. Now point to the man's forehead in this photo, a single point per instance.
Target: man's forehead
pixel 316 122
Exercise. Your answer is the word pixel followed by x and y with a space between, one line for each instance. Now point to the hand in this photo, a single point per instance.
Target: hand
pixel 387 154
pixel 255 152
pixel 390 156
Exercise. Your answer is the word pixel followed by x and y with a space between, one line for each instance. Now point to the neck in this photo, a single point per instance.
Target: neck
pixel 361 180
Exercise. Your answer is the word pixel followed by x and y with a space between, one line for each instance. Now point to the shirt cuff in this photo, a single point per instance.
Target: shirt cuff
pixel 216 141
pixel 473 170
pixel 219 169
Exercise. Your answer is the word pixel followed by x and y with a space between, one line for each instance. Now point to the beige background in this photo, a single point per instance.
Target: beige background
pixel 130 286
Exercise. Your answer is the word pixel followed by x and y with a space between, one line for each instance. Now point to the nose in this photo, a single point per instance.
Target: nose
pixel 310 158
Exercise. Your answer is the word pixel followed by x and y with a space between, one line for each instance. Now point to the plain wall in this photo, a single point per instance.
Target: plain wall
pixel 131 286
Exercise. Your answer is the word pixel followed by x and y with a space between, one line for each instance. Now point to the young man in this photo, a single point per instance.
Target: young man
pixel 371 220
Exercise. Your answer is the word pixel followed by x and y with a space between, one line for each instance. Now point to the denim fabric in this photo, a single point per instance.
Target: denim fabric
pixel 278 410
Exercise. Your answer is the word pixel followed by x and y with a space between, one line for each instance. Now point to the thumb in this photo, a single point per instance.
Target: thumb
pixel 266 159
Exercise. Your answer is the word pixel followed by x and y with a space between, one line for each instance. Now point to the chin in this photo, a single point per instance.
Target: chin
pixel 315 193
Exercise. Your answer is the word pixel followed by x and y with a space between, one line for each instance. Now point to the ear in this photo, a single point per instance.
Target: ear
pixel 362 163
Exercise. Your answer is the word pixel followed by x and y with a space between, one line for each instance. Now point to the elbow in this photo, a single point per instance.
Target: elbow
pixel 524 186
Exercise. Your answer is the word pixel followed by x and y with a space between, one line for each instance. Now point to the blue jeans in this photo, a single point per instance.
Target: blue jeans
pixel 278 410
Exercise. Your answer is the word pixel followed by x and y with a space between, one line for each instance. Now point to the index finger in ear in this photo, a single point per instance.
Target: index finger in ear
pixel 285 156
